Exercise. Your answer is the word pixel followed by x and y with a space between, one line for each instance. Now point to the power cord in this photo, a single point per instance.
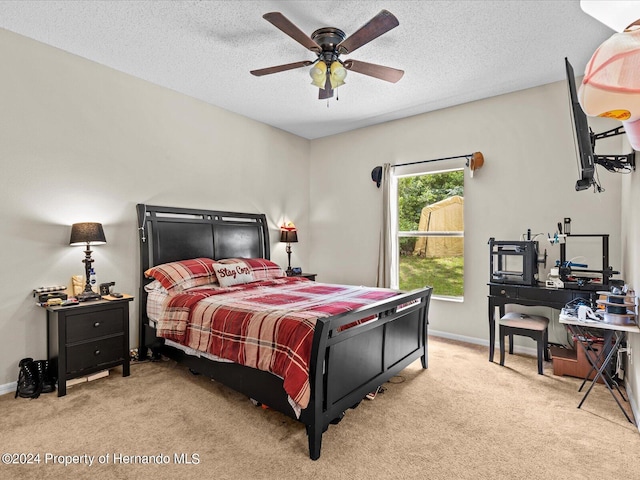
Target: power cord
pixel 399 379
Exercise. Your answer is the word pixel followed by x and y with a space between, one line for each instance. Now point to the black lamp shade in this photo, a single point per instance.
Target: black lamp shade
pixel 87 233
pixel 289 236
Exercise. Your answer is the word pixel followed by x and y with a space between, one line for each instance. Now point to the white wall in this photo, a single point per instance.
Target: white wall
pixel 527 182
pixel 631 265
pixel 82 142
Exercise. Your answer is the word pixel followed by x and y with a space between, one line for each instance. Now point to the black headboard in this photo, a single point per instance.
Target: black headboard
pixel 169 234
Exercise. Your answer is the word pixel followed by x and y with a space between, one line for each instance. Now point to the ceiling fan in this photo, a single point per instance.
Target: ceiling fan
pixel 328 43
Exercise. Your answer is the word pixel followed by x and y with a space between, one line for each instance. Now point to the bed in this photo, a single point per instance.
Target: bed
pixel 350 354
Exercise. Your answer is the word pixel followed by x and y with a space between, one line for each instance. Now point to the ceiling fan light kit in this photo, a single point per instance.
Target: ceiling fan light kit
pixel 328 71
pixel 337 75
pixel 318 74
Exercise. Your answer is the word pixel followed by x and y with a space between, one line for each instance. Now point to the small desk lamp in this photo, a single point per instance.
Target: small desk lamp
pixel 87 234
pixel 289 235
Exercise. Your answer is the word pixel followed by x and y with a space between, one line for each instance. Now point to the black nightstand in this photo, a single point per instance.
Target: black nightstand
pixel 87 338
pixel 310 276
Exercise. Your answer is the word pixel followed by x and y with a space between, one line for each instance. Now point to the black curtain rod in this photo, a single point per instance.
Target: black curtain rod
pixel 474 161
pixel 434 160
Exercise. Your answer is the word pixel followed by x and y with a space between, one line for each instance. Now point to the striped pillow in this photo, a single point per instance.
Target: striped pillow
pixel 179 276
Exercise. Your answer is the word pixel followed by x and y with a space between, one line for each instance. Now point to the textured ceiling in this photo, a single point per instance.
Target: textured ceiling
pixel 452 52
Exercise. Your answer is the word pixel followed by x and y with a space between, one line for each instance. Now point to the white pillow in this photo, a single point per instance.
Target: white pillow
pixel 154 286
pixel 233 273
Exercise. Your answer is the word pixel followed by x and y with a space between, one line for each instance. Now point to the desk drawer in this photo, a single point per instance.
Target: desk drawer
pixel 547 295
pixel 88 325
pixel 93 354
pixel 508 291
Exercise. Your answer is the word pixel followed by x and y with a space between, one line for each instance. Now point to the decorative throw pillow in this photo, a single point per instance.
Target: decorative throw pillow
pixel 261 268
pixel 179 276
pixel 233 273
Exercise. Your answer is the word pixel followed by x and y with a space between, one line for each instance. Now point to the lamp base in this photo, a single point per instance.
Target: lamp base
pixel 84 296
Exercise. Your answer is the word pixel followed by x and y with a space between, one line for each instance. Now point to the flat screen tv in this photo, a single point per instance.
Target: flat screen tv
pixel 582 134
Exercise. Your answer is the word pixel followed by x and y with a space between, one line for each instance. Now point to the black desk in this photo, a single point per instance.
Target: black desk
pixel 501 294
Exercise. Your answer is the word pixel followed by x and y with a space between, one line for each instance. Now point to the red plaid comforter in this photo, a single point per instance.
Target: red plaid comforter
pixel 266 325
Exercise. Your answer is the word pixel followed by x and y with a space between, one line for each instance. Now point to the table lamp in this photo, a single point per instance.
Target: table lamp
pixel 289 235
pixel 87 234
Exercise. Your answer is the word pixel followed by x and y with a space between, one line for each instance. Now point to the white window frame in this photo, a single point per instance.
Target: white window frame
pixel 396 234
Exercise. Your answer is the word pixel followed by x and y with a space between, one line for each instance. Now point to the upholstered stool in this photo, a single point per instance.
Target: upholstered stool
pixel 532 326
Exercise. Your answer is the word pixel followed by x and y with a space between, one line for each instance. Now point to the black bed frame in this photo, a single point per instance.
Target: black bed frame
pixel 344 366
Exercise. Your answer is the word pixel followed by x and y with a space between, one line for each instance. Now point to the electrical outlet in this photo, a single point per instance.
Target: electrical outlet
pixel 630 354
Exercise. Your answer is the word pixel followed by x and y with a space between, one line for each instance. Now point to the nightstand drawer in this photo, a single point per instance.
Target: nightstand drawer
pixel 88 325
pixel 94 354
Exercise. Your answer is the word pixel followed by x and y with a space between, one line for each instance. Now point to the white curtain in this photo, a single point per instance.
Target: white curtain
pixel 387 248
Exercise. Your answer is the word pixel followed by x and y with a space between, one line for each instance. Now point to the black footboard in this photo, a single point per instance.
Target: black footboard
pixel 348 364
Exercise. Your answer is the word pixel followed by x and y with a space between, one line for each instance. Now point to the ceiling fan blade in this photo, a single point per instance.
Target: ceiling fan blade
pixel 373 70
pixel 381 23
pixel 280 68
pixel 324 94
pixel 278 20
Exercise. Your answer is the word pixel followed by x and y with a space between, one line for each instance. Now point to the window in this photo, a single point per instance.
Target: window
pixel 429 235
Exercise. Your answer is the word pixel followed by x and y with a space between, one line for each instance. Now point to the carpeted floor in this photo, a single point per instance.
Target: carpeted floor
pixel 463 418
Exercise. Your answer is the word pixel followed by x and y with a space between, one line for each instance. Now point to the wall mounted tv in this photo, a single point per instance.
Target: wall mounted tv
pixel 586 142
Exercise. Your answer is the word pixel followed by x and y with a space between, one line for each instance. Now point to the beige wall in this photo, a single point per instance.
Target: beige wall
pixel 81 142
pixel 527 182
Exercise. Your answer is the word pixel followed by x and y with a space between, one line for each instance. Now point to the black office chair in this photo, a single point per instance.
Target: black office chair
pixel 532 326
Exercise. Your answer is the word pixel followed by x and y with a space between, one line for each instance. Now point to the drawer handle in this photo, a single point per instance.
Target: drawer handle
pixel 502 292
pixel 96 353
pixel 97 324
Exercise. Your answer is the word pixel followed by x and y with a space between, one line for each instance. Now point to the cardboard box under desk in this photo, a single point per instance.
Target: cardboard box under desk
pixel 573 363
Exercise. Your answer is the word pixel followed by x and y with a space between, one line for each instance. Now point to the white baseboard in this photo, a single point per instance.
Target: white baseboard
pixel 8 388
pixel 461 338
pixel 634 407
pixel 480 341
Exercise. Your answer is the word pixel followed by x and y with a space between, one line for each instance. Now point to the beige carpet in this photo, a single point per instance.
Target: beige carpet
pixel 463 418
